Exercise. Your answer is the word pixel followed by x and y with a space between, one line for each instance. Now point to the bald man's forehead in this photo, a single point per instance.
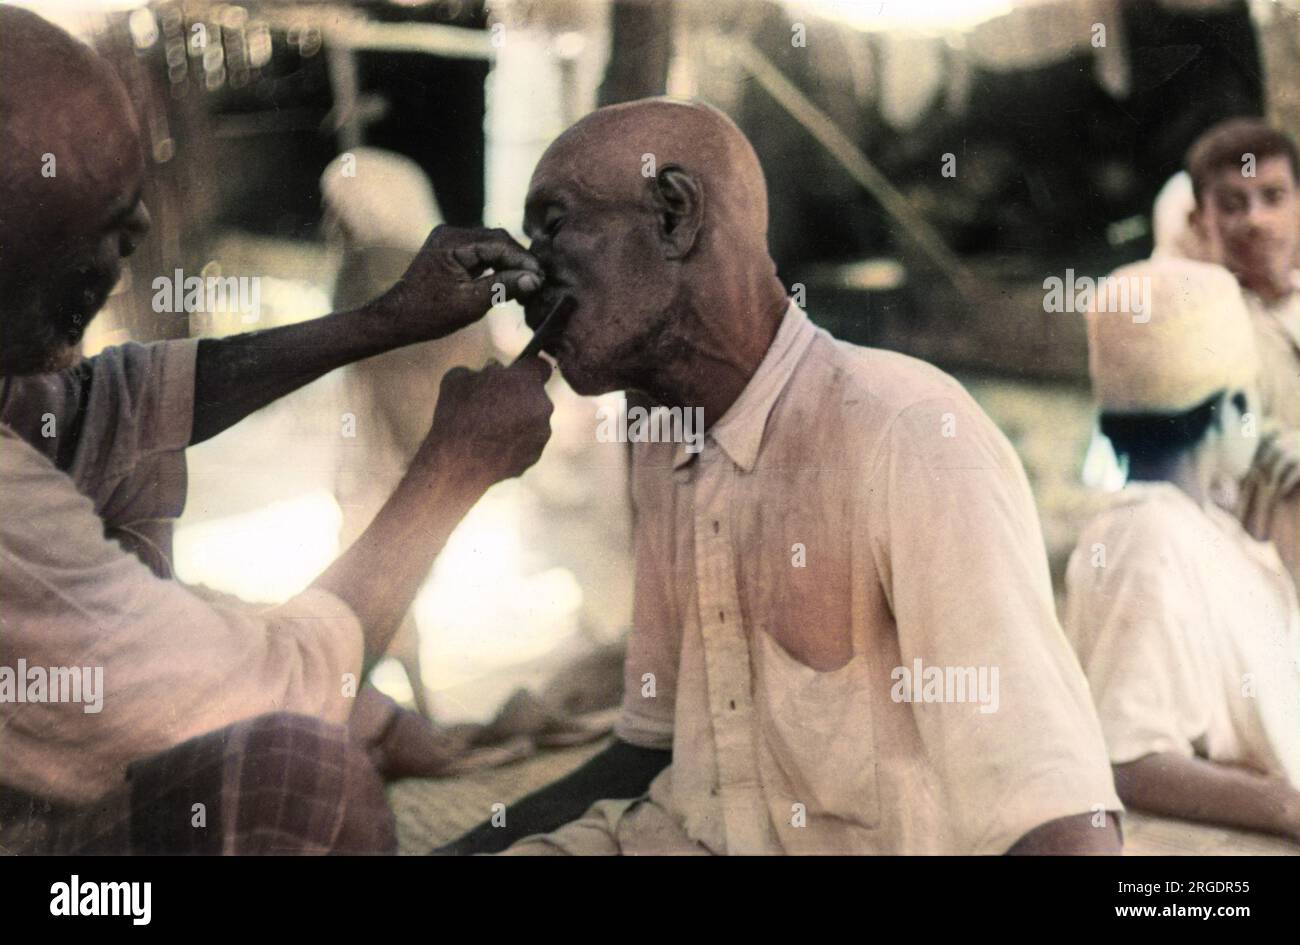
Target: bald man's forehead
pixel 566 182
pixel 614 154
pixel 590 167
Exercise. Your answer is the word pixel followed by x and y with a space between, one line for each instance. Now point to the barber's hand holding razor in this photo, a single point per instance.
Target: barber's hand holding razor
pixel 490 424
pixel 456 277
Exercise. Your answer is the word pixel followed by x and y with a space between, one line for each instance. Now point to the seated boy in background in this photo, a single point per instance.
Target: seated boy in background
pixel 1186 626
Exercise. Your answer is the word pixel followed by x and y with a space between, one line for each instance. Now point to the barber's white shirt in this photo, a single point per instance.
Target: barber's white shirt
pixel 173 665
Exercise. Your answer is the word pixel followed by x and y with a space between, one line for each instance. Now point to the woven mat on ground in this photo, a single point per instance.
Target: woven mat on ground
pixel 434 811
pixel 431 812
pixel 1146 835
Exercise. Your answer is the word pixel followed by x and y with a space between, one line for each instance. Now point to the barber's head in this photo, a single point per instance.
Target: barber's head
pixel 1245 175
pixel 652 216
pixel 70 182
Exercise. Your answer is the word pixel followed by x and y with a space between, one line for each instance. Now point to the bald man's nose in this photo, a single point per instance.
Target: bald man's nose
pixel 540 248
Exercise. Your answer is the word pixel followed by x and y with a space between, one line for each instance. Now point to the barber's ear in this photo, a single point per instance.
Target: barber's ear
pixel 679 200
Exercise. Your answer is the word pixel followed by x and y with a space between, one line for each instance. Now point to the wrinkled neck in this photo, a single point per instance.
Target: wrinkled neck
pixel 724 321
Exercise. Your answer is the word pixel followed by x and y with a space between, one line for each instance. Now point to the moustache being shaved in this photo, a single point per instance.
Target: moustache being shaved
pixel 551 327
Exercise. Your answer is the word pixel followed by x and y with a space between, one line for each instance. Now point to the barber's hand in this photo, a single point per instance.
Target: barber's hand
pixel 455 278
pixel 492 424
pixel 1278 462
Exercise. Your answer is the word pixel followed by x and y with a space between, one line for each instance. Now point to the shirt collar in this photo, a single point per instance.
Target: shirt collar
pixel 740 431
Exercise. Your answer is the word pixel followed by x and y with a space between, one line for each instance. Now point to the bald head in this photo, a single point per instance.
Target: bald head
pixel 70 185
pixel 58 98
pixel 616 154
pixel 654 215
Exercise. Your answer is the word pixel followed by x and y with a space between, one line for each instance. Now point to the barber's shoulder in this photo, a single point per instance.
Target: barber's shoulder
pixel 17 456
pixel 23 465
pixel 32 489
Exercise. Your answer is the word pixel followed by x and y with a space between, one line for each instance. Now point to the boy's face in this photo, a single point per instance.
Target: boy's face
pixel 1252 222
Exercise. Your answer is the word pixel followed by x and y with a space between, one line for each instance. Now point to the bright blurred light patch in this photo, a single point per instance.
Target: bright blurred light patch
pixel 72 7
pixel 481 612
pixel 259 45
pixel 144 28
pixel 905 14
pixel 264 556
pixel 390 678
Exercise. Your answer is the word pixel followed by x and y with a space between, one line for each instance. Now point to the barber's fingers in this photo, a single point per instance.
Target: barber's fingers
pixel 534 367
pixel 496 287
pixel 496 250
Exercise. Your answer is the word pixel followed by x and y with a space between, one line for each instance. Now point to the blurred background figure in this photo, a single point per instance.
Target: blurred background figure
pixel 380 207
pixel 1187 627
pixel 1172 228
pixel 1246 179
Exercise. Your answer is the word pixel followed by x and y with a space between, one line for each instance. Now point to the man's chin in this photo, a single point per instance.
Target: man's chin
pixel 1257 265
pixel 583 380
pixel 581 383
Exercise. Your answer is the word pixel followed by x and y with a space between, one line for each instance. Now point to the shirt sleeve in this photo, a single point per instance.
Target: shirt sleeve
pixel 958 546
pixel 1132 621
pixel 173 665
pixel 117 424
pixel 654 645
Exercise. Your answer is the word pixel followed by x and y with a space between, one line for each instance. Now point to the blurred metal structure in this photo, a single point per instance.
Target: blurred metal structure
pixel 911 224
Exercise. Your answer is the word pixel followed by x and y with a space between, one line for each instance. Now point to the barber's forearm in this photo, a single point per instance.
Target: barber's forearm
pixel 1071 836
pixel 237 375
pixel 620 771
pixel 378 576
pixel 1196 789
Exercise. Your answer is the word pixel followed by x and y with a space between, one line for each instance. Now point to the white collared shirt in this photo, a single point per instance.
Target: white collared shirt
pixel 1189 632
pixel 852 513
pixel 172 665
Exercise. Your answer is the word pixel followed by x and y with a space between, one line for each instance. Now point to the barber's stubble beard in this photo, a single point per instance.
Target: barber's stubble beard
pixel 41 330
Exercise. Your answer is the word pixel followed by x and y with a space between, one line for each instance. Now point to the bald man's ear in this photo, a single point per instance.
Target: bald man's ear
pixel 680 203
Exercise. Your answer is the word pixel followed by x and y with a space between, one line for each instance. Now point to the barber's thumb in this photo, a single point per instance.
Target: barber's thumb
pixel 535 366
